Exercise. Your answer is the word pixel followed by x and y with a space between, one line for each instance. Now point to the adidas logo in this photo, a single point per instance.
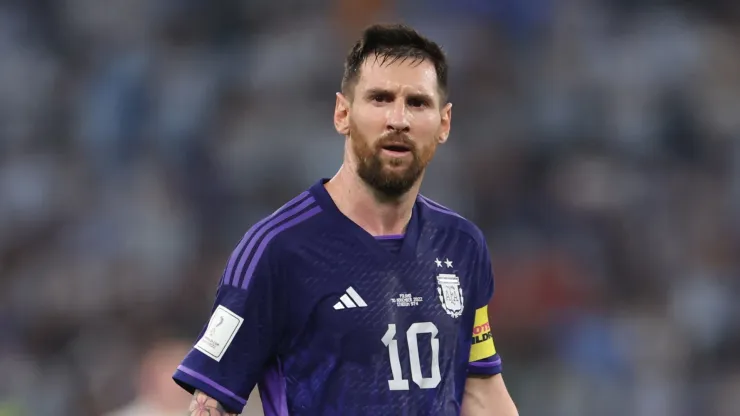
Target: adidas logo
pixel 350 300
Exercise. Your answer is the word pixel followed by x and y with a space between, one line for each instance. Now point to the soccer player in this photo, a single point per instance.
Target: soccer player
pixel 360 296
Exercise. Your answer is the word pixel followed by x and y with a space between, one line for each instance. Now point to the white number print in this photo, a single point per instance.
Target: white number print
pixel 398 382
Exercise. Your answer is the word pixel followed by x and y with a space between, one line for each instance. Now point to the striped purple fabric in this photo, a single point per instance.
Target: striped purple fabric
pixel 258 231
pixel 274 221
pixel 486 363
pixel 200 377
pixel 282 227
pixel 436 207
pixel 239 251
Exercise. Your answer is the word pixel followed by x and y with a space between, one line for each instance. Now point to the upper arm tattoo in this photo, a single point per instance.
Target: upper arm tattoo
pixel 203 405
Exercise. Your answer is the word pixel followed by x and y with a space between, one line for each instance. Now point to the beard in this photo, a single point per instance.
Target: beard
pixel 383 174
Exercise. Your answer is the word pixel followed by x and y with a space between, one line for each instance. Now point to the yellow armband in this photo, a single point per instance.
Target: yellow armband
pixel 482 346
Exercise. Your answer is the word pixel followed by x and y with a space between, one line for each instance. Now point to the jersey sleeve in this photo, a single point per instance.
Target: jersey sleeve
pixel 484 360
pixel 242 334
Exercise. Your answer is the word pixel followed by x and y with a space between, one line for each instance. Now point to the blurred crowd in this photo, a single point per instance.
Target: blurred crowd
pixel 596 143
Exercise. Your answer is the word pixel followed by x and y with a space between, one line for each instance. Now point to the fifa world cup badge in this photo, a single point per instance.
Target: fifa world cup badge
pixel 450 294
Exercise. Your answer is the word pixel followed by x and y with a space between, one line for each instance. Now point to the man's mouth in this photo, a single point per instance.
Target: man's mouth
pixel 397 148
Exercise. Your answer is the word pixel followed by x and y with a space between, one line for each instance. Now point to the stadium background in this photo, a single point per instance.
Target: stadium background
pixel 595 142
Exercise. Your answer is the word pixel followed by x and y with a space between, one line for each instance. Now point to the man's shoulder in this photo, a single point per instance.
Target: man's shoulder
pixel 263 246
pixel 287 223
pixel 450 220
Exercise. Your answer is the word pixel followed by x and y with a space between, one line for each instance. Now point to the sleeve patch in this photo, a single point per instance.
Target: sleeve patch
pixel 222 329
pixel 482 344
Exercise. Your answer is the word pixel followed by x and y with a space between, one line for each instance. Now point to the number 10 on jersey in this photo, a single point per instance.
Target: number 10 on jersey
pixel 398 382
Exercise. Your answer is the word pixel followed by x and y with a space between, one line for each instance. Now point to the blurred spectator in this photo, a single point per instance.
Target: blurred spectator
pixel 156 394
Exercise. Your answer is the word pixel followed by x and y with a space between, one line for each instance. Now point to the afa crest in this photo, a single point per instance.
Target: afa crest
pixel 450 294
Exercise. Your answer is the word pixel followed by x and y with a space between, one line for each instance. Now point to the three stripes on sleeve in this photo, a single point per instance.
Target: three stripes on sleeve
pixel 245 258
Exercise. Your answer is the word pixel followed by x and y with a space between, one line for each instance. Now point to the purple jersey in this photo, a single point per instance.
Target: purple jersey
pixel 329 320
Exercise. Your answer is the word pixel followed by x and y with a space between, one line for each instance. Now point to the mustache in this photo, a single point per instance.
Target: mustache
pixel 396 139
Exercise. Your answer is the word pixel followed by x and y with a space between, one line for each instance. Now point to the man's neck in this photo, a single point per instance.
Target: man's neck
pixel 360 203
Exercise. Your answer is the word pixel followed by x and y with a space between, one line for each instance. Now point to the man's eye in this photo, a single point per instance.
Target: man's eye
pixel 414 102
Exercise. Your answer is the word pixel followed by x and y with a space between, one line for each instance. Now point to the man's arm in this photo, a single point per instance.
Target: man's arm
pixel 487 396
pixel 240 339
pixel 202 405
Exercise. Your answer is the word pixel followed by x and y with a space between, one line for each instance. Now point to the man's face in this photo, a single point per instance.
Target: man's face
pixel 395 122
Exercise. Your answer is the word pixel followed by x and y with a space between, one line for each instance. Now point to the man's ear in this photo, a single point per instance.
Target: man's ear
pixel 446 123
pixel 341 114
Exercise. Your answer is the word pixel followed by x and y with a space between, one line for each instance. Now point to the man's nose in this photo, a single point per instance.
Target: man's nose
pixel 398 117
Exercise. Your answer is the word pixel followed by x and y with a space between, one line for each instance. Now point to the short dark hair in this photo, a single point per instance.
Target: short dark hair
pixel 391 43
